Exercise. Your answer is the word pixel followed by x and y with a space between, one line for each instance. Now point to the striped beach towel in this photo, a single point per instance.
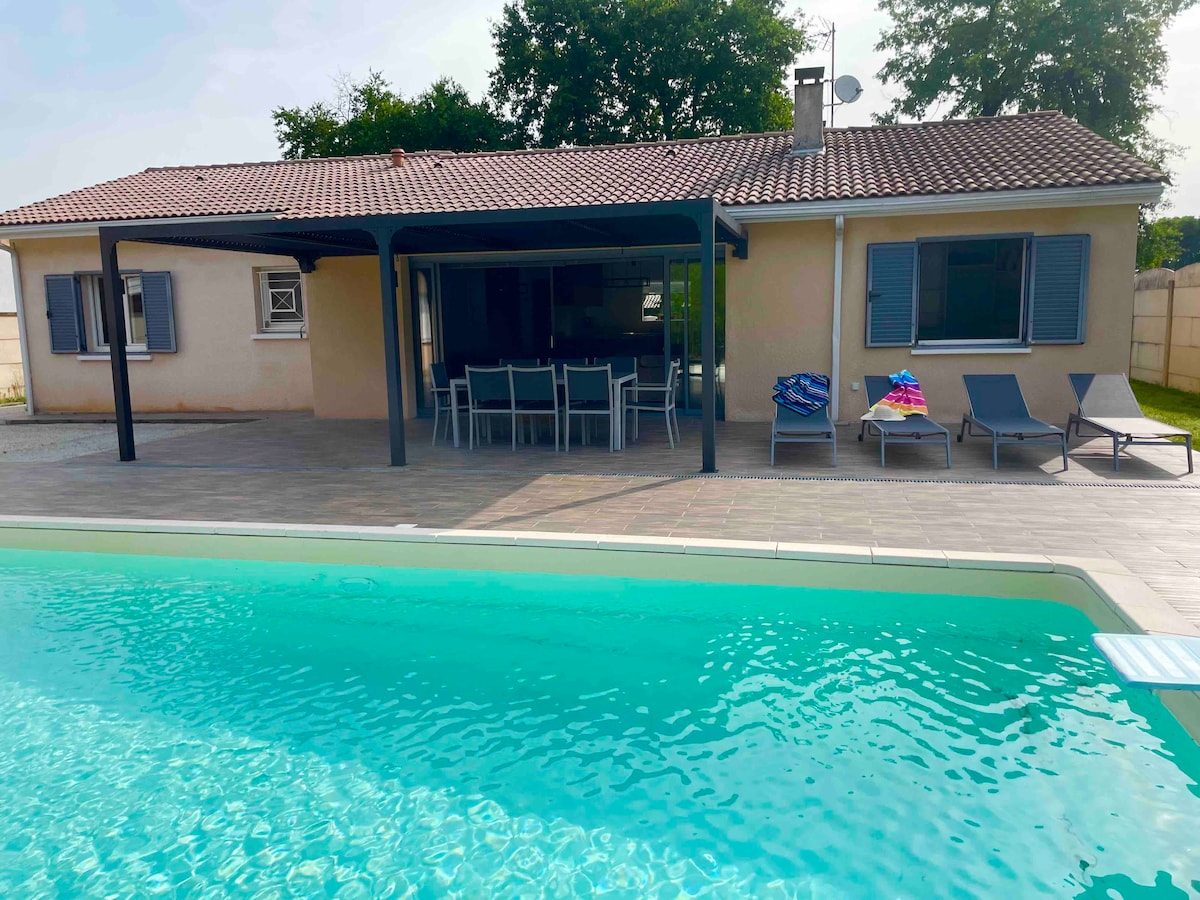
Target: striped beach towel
pixel 804 393
pixel 906 396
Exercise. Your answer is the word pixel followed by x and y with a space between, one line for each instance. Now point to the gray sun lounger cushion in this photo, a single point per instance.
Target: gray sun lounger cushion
pixel 911 429
pixel 788 421
pixel 790 427
pixel 1106 403
pixel 998 409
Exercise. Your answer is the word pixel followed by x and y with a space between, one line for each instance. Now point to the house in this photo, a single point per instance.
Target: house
pixel 982 245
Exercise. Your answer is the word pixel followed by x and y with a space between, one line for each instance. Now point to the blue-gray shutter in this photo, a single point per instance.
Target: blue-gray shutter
pixel 64 310
pixel 891 294
pixel 159 307
pixel 1058 289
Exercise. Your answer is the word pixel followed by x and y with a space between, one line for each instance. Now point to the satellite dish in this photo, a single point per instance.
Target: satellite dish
pixel 846 88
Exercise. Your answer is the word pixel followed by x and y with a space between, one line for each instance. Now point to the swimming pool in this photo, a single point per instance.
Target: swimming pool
pixel 231 724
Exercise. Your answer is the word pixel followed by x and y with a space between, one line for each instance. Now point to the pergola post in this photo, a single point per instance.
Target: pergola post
pixel 708 340
pixel 391 343
pixel 114 317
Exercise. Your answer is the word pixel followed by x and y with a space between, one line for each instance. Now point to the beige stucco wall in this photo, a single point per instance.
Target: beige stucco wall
pixel 219 365
pixel 778 308
pixel 346 324
pixel 12 373
pixel 1150 327
pixel 780 301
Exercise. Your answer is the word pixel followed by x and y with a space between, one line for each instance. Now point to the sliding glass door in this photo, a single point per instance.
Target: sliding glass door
pixel 683 332
pixel 608 308
pixel 640 305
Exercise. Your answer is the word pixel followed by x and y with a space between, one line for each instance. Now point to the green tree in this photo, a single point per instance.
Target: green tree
pixel 602 71
pixel 1189 242
pixel 1171 242
pixel 370 117
pixel 1098 61
pixel 1159 242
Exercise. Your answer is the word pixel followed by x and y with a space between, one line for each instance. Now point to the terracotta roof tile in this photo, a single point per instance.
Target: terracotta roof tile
pixel 1034 150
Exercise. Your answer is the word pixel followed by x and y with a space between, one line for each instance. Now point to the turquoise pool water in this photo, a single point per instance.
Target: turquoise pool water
pixel 203 728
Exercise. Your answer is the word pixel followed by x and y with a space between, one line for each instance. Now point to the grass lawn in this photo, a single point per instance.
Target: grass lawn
pixel 1175 407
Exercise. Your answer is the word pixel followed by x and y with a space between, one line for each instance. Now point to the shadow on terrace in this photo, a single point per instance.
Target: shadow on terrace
pixel 295 442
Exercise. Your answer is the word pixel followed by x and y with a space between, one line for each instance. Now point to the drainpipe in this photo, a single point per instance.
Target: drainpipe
pixel 839 231
pixel 24 338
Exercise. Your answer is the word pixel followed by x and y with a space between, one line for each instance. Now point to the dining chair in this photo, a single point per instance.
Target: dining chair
pixel 524 363
pixel 656 398
pixel 535 395
pixel 589 394
pixel 565 361
pixel 489 394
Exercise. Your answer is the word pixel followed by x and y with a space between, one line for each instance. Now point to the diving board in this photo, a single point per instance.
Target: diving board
pixel 1170 661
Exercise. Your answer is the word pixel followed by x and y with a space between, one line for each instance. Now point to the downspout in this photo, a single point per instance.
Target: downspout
pixel 24 338
pixel 839 231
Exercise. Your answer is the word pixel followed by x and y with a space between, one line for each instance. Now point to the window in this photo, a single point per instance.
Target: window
pixel 971 291
pixel 75 312
pixel 986 294
pixel 281 307
pixel 135 311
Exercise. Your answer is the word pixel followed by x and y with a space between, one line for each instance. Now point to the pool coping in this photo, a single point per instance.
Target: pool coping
pixel 1127 596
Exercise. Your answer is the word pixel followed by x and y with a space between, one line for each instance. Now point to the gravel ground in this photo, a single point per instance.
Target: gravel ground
pixel 51 443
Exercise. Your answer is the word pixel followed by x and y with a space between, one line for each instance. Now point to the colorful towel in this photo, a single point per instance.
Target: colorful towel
pixel 804 393
pixel 905 397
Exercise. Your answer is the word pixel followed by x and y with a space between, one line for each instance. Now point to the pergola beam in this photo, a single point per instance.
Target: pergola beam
pixel 606 235
pixel 731 230
pixel 431 235
pixel 686 209
pixel 264 244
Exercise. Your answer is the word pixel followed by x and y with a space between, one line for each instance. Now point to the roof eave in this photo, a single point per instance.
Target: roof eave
pixel 982 201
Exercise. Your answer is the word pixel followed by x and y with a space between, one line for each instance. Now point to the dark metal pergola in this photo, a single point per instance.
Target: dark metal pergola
pixel 308 240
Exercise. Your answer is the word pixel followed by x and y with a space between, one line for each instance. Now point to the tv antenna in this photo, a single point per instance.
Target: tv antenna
pixel 843 89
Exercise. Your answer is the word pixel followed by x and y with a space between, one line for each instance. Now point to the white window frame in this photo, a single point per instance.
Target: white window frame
pixel 982 343
pixel 262 291
pixel 90 286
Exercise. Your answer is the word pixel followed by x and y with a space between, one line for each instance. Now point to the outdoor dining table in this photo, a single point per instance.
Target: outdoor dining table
pixel 617 385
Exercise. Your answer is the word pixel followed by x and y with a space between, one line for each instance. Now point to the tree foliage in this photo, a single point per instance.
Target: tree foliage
pixel 578 72
pixel 370 117
pixel 1170 242
pixel 1158 242
pixel 1098 61
pixel 601 71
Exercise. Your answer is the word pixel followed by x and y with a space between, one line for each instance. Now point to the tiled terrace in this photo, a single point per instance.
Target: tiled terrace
pixel 297 469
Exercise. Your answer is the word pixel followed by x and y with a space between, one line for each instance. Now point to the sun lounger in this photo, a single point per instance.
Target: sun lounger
pixel 998 409
pixel 912 428
pixel 790 427
pixel 1107 405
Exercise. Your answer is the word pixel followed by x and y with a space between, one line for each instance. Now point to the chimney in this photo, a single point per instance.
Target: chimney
pixel 809 122
pixel 398 152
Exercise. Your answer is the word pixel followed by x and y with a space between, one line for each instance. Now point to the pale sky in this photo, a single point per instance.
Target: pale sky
pixel 92 91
